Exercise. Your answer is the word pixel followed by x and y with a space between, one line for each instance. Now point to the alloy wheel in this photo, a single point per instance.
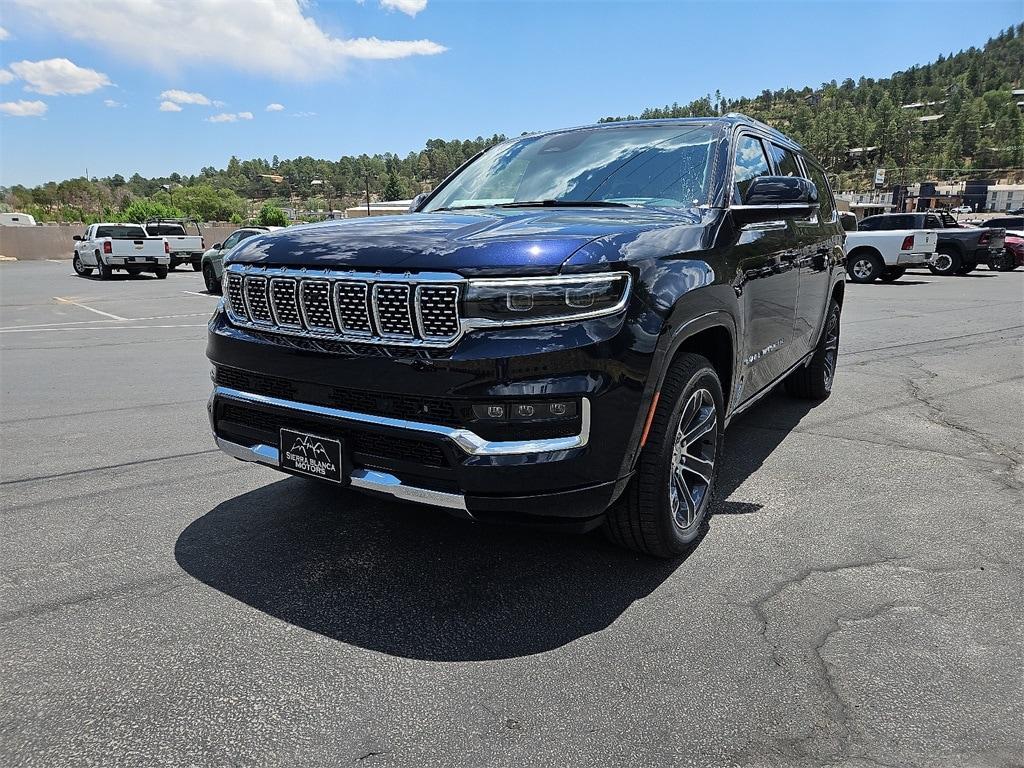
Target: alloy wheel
pixel 942 262
pixel 693 458
pixel 862 269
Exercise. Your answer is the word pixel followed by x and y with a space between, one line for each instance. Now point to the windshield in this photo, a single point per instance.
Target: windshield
pixel 651 165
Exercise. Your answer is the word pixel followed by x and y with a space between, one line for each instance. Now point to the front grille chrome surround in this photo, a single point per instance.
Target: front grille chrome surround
pixel 415 310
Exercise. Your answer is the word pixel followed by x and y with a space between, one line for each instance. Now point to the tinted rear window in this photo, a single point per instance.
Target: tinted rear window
pixel 881 223
pixel 120 232
pixel 161 230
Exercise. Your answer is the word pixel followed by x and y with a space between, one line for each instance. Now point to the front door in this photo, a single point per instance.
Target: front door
pixel 767 282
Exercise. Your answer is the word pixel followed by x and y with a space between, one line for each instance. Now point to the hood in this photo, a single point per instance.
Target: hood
pixel 495 241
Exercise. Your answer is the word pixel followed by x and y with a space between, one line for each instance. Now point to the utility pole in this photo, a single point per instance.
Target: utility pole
pixel 367 193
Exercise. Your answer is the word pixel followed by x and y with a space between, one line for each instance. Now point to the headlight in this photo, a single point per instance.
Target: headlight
pixel 536 300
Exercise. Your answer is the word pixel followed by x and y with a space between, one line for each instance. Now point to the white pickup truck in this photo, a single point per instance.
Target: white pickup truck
pixel 885 255
pixel 185 247
pixel 109 246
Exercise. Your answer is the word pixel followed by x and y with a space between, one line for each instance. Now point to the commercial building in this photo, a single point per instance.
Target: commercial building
pixel 1005 197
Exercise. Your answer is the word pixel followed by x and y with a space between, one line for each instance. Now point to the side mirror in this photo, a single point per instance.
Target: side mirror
pixel 77 237
pixel 775 197
pixel 216 246
pixel 418 201
pixel 848 220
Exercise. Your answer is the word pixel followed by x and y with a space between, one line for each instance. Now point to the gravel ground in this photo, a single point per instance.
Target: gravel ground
pixel 858 600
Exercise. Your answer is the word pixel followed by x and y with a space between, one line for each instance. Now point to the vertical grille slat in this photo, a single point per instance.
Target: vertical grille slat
pixel 353 310
pixel 438 307
pixel 315 298
pixel 256 299
pixel 401 310
pixel 235 300
pixel 392 309
pixel 285 301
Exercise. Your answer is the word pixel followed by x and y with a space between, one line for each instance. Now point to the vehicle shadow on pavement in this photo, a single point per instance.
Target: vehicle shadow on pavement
pixel 413 582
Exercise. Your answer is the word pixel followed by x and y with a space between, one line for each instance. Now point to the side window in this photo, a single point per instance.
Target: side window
pixel 785 161
pixel 232 241
pixel 245 235
pixel 827 206
pixel 750 163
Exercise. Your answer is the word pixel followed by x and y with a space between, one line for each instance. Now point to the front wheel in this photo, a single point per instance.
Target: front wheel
pixel 663 511
pixel 814 380
pixel 946 262
pixel 80 267
pixel 210 278
pixel 197 266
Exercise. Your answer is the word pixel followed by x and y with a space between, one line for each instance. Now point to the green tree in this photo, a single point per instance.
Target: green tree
pixel 271 216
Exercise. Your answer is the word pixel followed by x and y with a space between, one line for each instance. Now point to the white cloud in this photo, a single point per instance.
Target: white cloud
pixel 169 106
pixel 5 77
pixel 230 117
pixel 303 114
pixel 410 7
pixel 4 34
pixel 55 76
pixel 185 97
pixel 275 107
pixel 23 108
pixel 111 103
pixel 276 37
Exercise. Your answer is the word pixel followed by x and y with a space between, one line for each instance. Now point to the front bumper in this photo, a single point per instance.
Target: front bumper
pixel 265 384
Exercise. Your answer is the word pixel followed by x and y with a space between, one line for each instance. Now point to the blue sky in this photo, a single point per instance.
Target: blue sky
pixel 385 75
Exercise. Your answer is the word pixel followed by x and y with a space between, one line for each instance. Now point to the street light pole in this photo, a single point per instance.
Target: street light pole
pixel 367 193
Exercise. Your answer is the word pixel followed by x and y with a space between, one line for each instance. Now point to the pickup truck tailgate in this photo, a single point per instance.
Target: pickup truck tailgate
pixel 925 242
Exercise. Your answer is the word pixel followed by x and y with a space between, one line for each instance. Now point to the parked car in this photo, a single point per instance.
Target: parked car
pixel 962 209
pixel 213 259
pixel 959 248
pixel 561 331
pixel 17 220
pixel 886 255
pixel 1009 223
pixel 186 248
pixel 108 246
pixel 1012 255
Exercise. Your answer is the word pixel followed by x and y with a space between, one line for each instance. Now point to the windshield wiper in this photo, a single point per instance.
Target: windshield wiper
pixel 562 204
pixel 459 208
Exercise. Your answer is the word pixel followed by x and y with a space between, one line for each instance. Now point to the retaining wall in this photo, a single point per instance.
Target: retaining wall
pixel 55 241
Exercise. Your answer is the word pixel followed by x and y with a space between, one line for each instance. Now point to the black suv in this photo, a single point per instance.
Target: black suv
pixel 560 332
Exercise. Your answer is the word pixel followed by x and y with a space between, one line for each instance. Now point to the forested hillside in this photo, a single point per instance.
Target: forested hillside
pixel 971 124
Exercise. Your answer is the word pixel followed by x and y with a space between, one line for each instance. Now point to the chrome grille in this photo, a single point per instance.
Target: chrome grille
pixel 234 294
pixel 284 301
pixel 353 311
pixel 369 308
pixel 256 299
pixel 315 296
pixel 438 307
pixel 391 308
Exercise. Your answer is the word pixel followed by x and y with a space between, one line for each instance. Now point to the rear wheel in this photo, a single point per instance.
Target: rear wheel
pixel 210 278
pixel 161 273
pixel 814 380
pixel 663 512
pixel 946 262
pixel 106 272
pixel 80 267
pixel 864 266
pixel 891 274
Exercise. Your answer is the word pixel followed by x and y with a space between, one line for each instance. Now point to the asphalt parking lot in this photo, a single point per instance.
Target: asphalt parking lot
pixel 858 600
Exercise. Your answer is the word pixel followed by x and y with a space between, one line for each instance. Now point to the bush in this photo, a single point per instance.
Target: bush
pixel 271 216
pixel 139 210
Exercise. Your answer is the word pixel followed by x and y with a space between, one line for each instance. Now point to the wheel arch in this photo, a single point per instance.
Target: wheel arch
pixel 866 249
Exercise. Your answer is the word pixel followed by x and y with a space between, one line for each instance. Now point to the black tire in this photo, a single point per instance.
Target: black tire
pixel 646 518
pixel 197 266
pixel 1003 262
pixel 161 273
pixel 967 267
pixel 814 380
pixel 106 272
pixel 80 267
pixel 210 278
pixel 947 261
pixel 864 266
pixel 892 274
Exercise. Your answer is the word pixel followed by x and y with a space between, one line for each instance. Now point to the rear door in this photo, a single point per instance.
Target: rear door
pixel 768 280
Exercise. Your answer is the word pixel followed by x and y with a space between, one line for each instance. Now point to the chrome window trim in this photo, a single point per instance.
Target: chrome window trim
pixel 467 440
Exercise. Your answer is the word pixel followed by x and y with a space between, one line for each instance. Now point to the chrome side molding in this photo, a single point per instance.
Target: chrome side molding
pixel 468 441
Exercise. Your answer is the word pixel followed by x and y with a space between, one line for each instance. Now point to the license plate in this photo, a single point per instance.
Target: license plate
pixel 311 455
pixel 140 259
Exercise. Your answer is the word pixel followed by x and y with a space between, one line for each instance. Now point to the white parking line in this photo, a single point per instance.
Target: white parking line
pixel 63 300
pixel 99 328
pixel 45 326
pixel 204 295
